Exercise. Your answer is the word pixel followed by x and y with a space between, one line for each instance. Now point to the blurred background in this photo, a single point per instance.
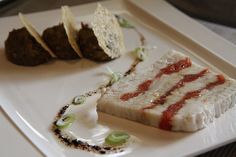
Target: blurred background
pixel 217 15
pixel 219 11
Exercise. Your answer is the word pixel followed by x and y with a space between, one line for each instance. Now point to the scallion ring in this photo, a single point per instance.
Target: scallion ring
pixel 78 100
pixel 65 121
pixel 141 53
pixel 115 76
pixel 117 138
pixel 123 22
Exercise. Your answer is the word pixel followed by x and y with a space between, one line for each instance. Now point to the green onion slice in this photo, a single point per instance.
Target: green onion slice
pixel 115 76
pixel 141 53
pixel 123 22
pixel 65 121
pixel 117 138
pixel 78 100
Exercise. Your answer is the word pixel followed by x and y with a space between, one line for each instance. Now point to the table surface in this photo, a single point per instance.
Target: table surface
pixel 17 140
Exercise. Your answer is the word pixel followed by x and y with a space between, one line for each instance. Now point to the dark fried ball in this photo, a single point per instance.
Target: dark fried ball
pixel 89 45
pixel 57 40
pixel 22 49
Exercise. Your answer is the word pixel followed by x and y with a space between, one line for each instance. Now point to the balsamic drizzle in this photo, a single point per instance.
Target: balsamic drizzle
pixel 142 39
pixel 77 143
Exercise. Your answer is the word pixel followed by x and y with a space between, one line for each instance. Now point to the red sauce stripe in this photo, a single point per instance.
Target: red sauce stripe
pixel 144 86
pixel 176 67
pixel 169 113
pixel 186 79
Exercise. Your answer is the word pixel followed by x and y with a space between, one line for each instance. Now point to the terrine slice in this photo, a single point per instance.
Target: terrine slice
pixel 173 94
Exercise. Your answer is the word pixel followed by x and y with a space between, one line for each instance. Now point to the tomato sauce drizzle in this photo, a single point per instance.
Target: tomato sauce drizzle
pixel 187 78
pixel 168 114
pixel 144 86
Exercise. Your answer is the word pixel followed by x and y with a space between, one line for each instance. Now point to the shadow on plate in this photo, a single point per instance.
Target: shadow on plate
pixel 11 72
pixel 150 136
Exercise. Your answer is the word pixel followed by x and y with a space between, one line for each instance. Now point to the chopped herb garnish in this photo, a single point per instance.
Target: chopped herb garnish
pixel 65 121
pixel 117 138
pixel 141 53
pixel 115 76
pixel 123 22
pixel 78 100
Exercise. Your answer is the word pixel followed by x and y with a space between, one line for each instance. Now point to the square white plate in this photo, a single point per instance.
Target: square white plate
pixel 32 96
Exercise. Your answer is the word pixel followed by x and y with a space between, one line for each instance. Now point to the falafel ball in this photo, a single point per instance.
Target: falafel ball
pixel 22 49
pixel 89 45
pixel 57 40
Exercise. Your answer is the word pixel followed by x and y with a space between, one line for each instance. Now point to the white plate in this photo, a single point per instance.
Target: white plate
pixel 32 96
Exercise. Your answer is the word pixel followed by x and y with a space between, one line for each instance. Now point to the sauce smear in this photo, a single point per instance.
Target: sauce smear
pixel 165 122
pixel 144 86
pixel 187 78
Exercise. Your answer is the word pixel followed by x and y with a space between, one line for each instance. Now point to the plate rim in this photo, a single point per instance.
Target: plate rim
pixel 228 45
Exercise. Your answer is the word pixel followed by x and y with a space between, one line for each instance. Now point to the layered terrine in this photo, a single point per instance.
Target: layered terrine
pixel 173 94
